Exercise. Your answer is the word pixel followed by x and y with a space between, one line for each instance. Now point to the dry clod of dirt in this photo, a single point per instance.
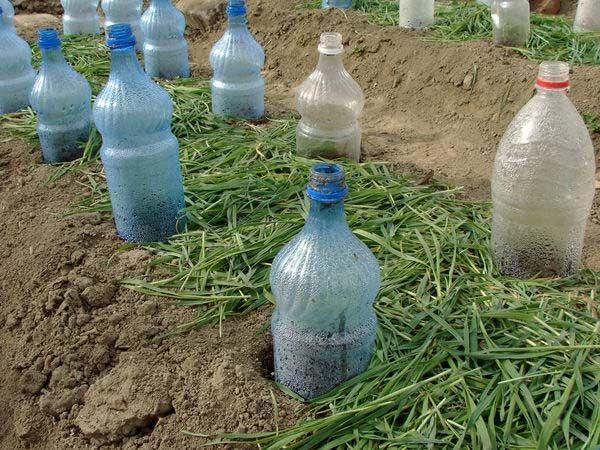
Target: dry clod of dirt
pixel 202 15
pixel 28 24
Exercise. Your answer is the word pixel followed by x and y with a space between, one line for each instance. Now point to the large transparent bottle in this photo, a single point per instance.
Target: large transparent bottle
pixel 81 17
pixel 416 13
pixel 325 282
pixel 511 22
pixel 125 11
pixel 238 88
pixel 165 48
pixel 8 13
pixel 16 74
pixel 543 184
pixel 330 103
pixel 588 16
pixel 344 4
pixel 62 99
pixel 139 151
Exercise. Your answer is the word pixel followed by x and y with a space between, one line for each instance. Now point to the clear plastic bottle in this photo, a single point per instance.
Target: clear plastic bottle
pixel 416 13
pixel 165 48
pixel 62 99
pixel 330 103
pixel 511 22
pixel 9 13
pixel 344 4
pixel 588 16
pixel 125 11
pixel 139 151
pixel 238 88
pixel 16 74
pixel 324 281
pixel 81 17
pixel 543 184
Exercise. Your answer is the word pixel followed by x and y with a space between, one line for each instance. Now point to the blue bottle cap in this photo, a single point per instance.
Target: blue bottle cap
pixel 236 8
pixel 327 183
pixel 120 36
pixel 48 38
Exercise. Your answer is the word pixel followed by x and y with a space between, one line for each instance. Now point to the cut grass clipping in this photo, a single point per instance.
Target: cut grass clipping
pixel 465 358
pixel 552 37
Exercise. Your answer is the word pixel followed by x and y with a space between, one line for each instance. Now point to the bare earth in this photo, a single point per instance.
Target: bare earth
pixel 82 362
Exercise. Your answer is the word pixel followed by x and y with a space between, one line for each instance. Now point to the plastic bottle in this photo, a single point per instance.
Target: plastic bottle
pixel 511 22
pixel 62 99
pixel 16 74
pixel 588 16
pixel 165 47
pixel 344 4
pixel 9 13
pixel 238 88
pixel 544 183
pixel 81 17
pixel 139 151
pixel 324 281
pixel 330 103
pixel 125 11
pixel 416 13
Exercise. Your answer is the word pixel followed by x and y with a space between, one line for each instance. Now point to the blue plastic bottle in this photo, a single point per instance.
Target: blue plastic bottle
pixel 345 4
pixel 62 100
pixel 139 151
pixel 238 88
pixel 16 74
pixel 125 11
pixel 325 281
pixel 165 48
pixel 9 13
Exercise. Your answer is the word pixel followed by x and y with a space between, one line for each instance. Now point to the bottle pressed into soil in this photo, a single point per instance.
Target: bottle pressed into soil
pixel 125 11
pixel 165 48
pixel 416 13
pixel 16 74
pixel 587 18
pixel 511 22
pixel 81 17
pixel 343 4
pixel 62 99
pixel 238 88
pixel 330 103
pixel 324 281
pixel 139 152
pixel 543 184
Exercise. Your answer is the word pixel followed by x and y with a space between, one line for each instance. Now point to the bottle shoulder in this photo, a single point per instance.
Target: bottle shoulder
pixel 163 23
pixel 16 55
pixel 59 85
pixel 237 47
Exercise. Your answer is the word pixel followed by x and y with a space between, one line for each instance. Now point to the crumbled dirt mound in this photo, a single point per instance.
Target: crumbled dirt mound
pixel 38 6
pixel 82 361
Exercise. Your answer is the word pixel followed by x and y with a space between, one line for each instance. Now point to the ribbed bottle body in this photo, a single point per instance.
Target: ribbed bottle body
pixel 543 188
pixel 344 4
pixel 81 17
pixel 61 99
pixel 139 153
pixel 511 22
pixel 237 86
pixel 324 282
pixel 125 11
pixel 16 73
pixel 166 52
pixel 587 17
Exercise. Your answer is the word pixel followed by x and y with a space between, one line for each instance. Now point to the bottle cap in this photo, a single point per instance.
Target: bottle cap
pixel 327 183
pixel 236 8
pixel 331 44
pixel 120 36
pixel 48 38
pixel 553 75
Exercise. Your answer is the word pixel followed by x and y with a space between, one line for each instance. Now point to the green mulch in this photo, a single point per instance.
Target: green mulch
pixel 465 358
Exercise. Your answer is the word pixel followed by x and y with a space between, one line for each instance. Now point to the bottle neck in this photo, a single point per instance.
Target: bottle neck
pixel 52 56
pixel 124 61
pixel 326 213
pixel 327 62
pixel 551 92
pixel 237 22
